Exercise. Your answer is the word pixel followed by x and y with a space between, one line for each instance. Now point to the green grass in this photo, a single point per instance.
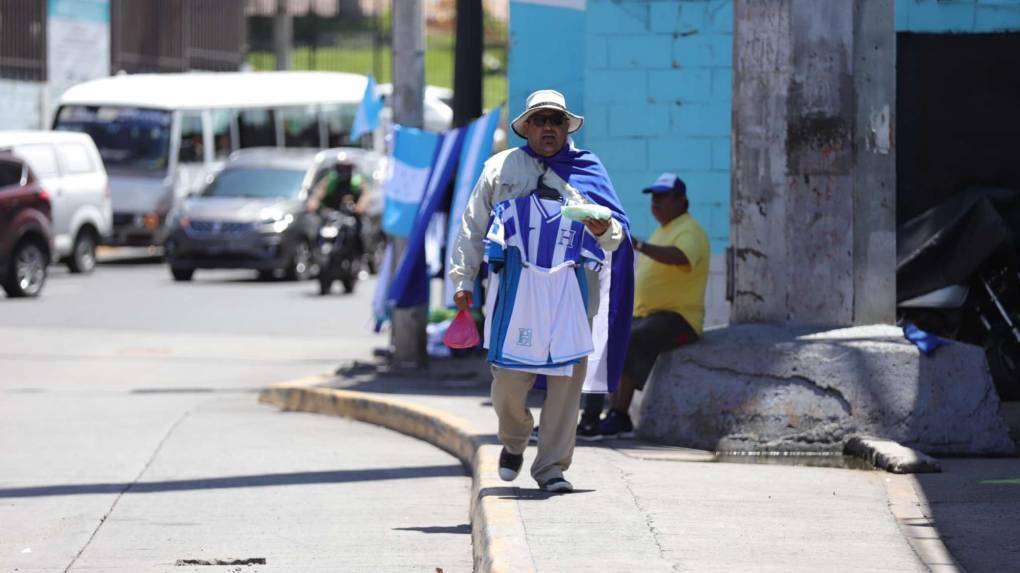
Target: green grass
pixel 360 60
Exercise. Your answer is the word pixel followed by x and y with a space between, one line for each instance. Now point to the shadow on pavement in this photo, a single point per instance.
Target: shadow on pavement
pixel 259 480
pixel 975 505
pixel 468 376
pixel 464 528
pixel 525 494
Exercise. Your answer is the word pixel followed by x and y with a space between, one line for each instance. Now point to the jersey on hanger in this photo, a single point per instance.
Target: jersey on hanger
pixel 537 301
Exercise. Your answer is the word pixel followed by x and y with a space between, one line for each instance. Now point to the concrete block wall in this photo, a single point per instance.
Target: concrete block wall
pixel 24 104
pixel 656 91
pixel 957 16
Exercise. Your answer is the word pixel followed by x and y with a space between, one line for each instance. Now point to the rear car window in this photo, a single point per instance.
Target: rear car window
pixel 41 158
pixel 10 173
pixel 76 158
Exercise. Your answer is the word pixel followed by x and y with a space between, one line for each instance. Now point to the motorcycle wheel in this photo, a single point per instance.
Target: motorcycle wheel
pixel 325 284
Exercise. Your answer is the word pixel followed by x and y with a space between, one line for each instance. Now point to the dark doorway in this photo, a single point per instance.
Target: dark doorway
pixel 957 116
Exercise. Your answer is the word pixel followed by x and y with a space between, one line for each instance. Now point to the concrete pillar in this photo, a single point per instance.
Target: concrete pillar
pixel 813 209
pixel 408 324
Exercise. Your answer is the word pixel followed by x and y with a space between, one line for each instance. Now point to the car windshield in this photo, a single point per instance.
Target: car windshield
pixel 127 137
pixel 256 183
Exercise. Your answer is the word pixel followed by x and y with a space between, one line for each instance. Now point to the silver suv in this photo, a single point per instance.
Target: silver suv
pixel 71 171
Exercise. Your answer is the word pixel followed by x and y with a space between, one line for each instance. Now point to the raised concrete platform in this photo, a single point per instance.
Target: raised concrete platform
pixel 764 387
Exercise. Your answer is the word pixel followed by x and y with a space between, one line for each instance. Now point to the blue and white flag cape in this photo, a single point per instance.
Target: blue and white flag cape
pixel 611 326
pixel 411 165
pixel 367 117
pixel 476 149
pixel 410 284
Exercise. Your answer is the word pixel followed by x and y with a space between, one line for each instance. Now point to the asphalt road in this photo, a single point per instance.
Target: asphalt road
pixel 131 440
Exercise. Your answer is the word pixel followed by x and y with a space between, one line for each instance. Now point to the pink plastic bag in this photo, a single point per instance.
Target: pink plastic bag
pixel 462 332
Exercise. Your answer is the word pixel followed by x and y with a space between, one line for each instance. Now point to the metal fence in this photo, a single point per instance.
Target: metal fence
pixel 361 42
pixel 23 40
pixel 177 35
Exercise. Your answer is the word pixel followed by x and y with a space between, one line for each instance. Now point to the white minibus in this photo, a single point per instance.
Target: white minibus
pixel 161 136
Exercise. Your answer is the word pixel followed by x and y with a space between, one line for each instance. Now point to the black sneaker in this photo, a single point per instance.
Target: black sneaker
pixel 509 465
pixel 616 425
pixel 558 485
pixel 588 430
pixel 533 438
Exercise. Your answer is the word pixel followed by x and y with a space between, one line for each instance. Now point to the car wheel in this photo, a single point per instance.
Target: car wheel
pixel 182 274
pixel 301 262
pixel 83 255
pixel 28 270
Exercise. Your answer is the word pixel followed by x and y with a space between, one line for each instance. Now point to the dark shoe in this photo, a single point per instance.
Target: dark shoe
pixel 533 438
pixel 616 425
pixel 509 465
pixel 558 485
pixel 588 430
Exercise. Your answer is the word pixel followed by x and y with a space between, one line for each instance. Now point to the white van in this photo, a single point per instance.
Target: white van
pixel 70 169
pixel 162 136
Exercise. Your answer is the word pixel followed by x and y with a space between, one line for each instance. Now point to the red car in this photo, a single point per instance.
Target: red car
pixel 26 236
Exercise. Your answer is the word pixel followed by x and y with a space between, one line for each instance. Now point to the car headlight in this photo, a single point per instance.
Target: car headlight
pixel 277 221
pixel 329 232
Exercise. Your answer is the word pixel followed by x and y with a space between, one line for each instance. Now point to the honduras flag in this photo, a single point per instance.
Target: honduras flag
pixel 410 286
pixel 367 117
pixel 411 165
pixel 476 149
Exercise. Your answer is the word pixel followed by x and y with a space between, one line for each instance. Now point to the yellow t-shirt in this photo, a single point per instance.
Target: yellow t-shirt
pixel 676 288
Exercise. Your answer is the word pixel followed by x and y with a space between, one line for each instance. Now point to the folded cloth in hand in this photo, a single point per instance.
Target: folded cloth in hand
pixel 582 211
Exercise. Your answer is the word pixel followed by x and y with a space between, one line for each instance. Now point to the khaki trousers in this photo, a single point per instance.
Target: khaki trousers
pixel 557 426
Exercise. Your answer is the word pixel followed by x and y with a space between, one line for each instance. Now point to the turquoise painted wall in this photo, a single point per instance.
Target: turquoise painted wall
pixel 658 93
pixel 958 16
pixel 653 79
pixel 546 51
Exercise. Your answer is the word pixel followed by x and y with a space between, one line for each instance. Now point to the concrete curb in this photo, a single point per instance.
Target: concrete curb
pixel 497 532
pixel 891 456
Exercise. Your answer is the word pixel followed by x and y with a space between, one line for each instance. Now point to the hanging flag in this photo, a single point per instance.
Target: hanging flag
pixel 476 149
pixel 410 286
pixel 380 311
pixel 411 164
pixel 367 117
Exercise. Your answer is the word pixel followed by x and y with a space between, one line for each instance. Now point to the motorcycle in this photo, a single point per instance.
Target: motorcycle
pixel 958 277
pixel 339 251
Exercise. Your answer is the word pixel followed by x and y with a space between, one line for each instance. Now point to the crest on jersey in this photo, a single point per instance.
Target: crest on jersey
pixel 524 337
pixel 566 238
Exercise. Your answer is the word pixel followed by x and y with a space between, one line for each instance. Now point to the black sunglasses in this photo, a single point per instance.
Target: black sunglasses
pixel 556 119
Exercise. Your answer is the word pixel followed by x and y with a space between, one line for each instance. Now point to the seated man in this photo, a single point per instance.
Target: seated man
pixel 669 300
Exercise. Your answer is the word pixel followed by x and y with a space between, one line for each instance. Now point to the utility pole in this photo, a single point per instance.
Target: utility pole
pixel 467 63
pixel 408 324
pixel 283 32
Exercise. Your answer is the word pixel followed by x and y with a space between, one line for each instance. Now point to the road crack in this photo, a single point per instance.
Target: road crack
pixel 145 468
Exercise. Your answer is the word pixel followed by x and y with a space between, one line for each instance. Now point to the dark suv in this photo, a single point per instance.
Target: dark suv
pixel 26 234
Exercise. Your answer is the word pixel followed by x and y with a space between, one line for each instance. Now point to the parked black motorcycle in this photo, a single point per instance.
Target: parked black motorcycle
pixel 958 277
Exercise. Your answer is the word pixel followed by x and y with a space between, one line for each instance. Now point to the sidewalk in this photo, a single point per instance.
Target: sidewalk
pixel 641 507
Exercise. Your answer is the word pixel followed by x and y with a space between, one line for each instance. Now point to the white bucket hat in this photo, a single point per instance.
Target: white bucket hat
pixel 546 99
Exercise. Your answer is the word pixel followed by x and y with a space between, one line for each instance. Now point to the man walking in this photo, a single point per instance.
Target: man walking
pixel 548 165
pixel 669 297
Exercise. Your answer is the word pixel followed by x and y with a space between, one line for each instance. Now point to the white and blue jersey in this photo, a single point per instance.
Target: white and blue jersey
pixel 536 317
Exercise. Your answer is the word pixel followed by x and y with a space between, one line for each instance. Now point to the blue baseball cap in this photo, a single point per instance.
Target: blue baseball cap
pixel 665 183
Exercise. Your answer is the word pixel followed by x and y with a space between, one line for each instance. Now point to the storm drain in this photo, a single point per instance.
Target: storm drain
pixel 248 561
